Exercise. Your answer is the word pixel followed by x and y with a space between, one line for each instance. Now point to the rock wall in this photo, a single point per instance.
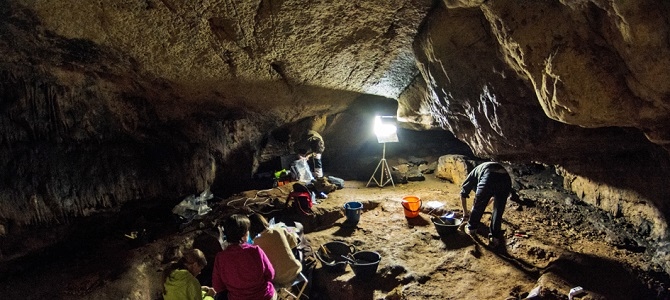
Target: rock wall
pixel 106 103
pixel 569 83
pixel 254 53
pixel 453 168
pixel 631 186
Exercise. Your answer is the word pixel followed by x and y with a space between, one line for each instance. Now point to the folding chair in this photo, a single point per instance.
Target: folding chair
pixel 297 285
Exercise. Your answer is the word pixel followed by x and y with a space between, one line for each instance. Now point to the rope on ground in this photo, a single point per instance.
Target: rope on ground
pixel 260 193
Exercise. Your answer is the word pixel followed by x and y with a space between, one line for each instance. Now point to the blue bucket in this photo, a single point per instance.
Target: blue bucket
pixel 352 210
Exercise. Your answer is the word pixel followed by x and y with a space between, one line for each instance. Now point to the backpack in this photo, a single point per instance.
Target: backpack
pixel 302 198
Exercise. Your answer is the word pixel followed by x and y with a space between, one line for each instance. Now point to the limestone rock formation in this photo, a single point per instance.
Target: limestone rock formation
pixel 453 168
pixel 501 73
pixel 106 103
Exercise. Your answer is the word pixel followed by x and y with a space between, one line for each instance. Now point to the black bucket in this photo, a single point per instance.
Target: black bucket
pixel 446 226
pixel 333 255
pixel 366 263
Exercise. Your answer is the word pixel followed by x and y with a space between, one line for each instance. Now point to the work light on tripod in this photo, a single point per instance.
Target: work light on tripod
pixel 386 132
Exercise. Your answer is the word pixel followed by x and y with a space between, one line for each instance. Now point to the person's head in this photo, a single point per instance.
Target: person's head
pixel 194 261
pixel 236 228
pixel 302 152
pixel 258 224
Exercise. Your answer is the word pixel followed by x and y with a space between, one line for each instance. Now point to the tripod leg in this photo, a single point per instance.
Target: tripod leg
pixel 388 170
pixel 373 174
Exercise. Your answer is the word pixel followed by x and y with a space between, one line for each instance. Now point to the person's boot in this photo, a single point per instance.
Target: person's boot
pixel 471 230
pixel 494 242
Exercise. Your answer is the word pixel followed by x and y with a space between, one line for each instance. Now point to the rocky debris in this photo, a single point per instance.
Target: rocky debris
pixel 415 175
pixel 412 169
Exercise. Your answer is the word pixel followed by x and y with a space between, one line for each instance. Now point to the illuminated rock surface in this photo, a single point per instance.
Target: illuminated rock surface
pixel 112 107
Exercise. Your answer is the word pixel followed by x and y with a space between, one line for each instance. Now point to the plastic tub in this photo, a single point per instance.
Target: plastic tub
pixel 366 263
pixel 333 255
pixel 446 226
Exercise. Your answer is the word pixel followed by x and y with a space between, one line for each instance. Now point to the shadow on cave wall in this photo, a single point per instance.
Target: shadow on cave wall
pixel 645 170
pixel 587 270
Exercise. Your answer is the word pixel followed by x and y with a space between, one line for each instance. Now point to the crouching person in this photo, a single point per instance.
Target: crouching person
pixel 179 282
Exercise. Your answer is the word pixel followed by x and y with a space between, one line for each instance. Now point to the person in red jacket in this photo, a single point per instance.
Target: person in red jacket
pixel 242 270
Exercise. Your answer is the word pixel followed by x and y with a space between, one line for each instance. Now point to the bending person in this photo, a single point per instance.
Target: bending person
pixel 490 179
pixel 277 243
pixel 242 270
pixel 311 144
pixel 179 282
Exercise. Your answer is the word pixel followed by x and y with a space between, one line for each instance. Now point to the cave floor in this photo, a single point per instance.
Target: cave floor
pixel 560 249
pixel 567 244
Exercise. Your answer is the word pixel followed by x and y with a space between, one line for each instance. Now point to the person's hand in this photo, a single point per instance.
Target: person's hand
pixel 209 291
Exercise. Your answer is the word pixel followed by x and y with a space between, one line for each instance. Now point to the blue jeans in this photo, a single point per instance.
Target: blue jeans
pixel 498 186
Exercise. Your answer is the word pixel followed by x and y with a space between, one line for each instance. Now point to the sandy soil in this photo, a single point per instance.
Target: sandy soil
pixel 418 264
pixel 567 244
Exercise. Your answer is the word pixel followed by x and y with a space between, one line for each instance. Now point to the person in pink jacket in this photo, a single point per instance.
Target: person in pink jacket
pixel 242 270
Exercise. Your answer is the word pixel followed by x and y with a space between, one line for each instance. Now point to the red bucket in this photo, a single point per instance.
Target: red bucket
pixel 411 206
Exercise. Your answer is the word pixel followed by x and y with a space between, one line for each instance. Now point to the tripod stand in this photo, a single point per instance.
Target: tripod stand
pixel 383 166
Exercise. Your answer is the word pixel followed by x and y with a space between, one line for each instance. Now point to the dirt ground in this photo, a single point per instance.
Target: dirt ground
pixel 559 250
pixel 564 244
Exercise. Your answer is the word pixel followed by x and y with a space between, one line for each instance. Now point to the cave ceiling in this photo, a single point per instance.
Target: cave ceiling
pixel 451 64
pixel 254 55
pixel 125 90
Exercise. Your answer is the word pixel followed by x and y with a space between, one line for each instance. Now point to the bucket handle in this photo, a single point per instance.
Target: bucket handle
pixel 352 248
pixel 413 211
pixel 349 259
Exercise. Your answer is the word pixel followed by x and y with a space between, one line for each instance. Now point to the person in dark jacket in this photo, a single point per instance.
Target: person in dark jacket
pixel 489 179
pixel 311 144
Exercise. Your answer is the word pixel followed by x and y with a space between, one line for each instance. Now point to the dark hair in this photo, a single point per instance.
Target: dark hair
pixel 189 256
pixel 235 227
pixel 258 224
